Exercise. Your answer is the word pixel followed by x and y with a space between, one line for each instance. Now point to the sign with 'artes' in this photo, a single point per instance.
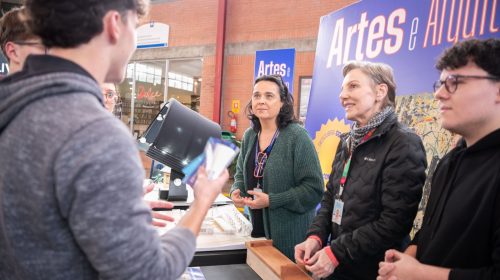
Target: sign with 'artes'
pixel 276 62
pixel 4 66
pixel 408 35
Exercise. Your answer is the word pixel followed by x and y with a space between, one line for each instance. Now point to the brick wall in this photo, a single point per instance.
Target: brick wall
pixel 207 87
pixel 192 22
pixel 250 25
pixel 263 20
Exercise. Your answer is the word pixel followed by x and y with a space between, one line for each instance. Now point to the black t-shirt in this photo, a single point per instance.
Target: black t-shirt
pixel 257 214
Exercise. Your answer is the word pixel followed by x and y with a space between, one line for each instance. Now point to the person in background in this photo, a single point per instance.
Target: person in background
pixel 71 203
pixel 278 175
pixel 375 185
pixel 16 41
pixel 112 99
pixel 110 96
pixel 460 234
pixel 159 219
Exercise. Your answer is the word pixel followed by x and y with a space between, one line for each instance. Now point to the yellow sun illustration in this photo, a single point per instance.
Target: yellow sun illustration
pixel 326 142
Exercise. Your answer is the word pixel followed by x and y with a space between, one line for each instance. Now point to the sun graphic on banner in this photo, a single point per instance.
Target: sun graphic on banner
pixel 326 142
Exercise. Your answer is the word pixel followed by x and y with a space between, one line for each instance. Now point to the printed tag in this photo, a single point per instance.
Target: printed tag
pixel 337 211
pixel 257 189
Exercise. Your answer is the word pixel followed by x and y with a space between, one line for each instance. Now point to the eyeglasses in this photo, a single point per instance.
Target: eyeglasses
pixel 32 43
pixel 452 81
pixel 258 171
pixel 109 94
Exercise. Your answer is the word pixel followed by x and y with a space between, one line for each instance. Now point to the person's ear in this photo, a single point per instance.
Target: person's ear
pixel 381 92
pixel 112 22
pixel 12 52
pixel 498 93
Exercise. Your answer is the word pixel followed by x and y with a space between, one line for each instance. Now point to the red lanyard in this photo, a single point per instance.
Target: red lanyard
pixel 347 164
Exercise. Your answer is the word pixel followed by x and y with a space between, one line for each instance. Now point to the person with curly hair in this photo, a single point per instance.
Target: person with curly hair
pixel 460 234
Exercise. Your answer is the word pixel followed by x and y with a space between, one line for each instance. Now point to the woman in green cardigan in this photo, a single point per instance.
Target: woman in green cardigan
pixel 278 175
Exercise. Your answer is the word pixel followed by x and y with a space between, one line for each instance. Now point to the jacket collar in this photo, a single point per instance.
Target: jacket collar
pixel 38 80
pixel 36 65
pixel 489 141
pixel 385 126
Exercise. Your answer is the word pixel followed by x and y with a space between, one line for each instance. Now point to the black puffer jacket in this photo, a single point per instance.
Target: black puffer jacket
pixel 381 197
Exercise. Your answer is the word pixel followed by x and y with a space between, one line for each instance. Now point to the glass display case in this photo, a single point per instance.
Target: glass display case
pixel 148 84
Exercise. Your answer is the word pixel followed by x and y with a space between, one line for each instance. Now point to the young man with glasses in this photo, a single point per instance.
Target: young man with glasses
pixel 460 235
pixel 16 40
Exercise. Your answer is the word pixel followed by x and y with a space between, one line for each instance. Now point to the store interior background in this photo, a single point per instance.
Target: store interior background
pixel 209 61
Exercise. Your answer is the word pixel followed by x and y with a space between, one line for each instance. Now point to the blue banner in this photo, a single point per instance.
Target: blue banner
pixel 4 66
pixel 270 62
pixel 409 35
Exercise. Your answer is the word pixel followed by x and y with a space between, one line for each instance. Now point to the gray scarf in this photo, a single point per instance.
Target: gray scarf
pixel 357 133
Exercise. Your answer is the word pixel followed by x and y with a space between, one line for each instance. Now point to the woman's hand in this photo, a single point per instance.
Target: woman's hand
pixel 260 200
pixel 237 199
pixel 320 264
pixel 305 250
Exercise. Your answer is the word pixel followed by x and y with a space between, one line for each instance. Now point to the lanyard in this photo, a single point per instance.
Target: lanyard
pixel 268 149
pixel 261 163
pixel 347 165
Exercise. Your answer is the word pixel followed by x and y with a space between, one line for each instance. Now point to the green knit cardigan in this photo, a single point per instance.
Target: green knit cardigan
pixel 292 179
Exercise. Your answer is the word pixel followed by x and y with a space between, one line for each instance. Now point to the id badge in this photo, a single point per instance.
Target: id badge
pixel 337 211
pixel 257 189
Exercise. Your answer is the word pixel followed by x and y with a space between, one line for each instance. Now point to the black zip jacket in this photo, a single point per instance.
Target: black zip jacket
pixel 381 197
pixel 461 227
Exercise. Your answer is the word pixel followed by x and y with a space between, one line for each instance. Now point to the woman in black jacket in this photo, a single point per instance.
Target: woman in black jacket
pixel 375 185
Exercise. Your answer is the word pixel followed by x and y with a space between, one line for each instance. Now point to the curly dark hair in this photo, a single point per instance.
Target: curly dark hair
pixel 70 23
pixel 484 53
pixel 286 114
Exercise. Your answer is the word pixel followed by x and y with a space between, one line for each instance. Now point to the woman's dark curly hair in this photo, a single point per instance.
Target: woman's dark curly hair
pixel 70 23
pixel 286 114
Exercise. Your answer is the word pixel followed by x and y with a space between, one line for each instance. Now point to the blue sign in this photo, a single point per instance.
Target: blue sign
pixel 4 66
pixel 271 62
pixel 408 35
